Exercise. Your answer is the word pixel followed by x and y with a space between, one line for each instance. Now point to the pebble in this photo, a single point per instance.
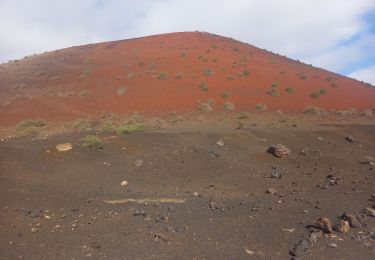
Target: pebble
pixel 349 139
pixel 369 212
pixel 342 226
pixel 320 139
pixel 124 183
pixel 332 245
pixel 324 224
pixel 220 142
pixel 33 230
pixel 138 163
pixel 271 191
pixel 278 150
pixel 276 174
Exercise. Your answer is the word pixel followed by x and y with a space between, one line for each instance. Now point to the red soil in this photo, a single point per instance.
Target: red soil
pixel 49 86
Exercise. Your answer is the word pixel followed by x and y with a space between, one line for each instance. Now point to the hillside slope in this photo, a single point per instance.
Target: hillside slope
pixel 171 72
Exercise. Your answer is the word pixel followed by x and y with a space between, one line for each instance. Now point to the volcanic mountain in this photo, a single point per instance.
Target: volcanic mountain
pixel 180 72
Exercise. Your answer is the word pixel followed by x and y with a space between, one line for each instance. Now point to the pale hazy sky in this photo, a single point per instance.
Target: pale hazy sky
pixel 336 35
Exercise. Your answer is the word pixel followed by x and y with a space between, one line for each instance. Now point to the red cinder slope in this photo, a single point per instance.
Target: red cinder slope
pixel 159 74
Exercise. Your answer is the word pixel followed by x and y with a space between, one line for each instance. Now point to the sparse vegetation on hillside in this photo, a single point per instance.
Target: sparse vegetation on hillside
pixel 93 141
pixel 163 75
pixel 315 95
pixel 228 106
pixel 314 111
pixel 29 127
pixel 203 86
pixel 261 106
pixel 121 91
pixel 82 124
pixel 230 77
pixel 225 95
pixel 273 92
pixel 86 73
pixel 85 93
pixel 245 73
pixel 322 91
pixel 178 76
pixel 130 128
pixel 204 107
pixel 289 90
pixel 208 73
pixel 107 127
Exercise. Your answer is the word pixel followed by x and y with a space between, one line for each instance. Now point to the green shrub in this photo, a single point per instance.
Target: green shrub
pixel 29 127
pixel 228 106
pixel 204 107
pixel 273 92
pixel 211 102
pixel 322 91
pixel 163 75
pixel 208 73
pixel 85 93
pixel 275 85
pixel 314 111
pixel 107 127
pixel 203 86
pixel 261 106
pixel 225 95
pixel 89 60
pixel 178 76
pixel 230 77
pixel 130 128
pixel 82 124
pixel 31 123
pixel 121 91
pixel 245 73
pixel 85 74
pixel 93 141
pixel 290 90
pixel 315 95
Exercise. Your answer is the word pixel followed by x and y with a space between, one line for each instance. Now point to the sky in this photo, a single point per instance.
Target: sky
pixel 335 35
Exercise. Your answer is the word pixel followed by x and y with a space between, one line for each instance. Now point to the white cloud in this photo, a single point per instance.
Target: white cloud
pixel 366 74
pixel 310 30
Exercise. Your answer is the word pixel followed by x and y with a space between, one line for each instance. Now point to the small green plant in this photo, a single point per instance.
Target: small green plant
pixel 131 128
pixel 85 74
pixel 141 63
pixel 275 85
pixel 334 85
pixel 214 60
pixel 163 75
pixel 242 116
pixel 93 141
pixel 302 76
pixel 85 93
pixel 89 60
pixel 225 95
pixel 322 91
pixel 329 79
pixel 273 92
pixel 230 77
pixel 82 124
pixel 121 91
pixel 240 125
pixel 213 46
pixel 107 127
pixel 203 86
pixel 178 75
pixel 314 111
pixel 260 106
pixel 211 102
pixel 208 73
pixel 29 127
pixel 204 107
pixel 228 106
pixel 245 73
pixel 315 95
pixel 290 90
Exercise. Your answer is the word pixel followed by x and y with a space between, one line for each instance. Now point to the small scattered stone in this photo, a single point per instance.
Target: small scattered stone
pixel 278 150
pixel 271 191
pixel 369 212
pixel 64 147
pixel 220 142
pixel 349 139
pixel 332 245
pixel 355 219
pixel 138 163
pixel 342 226
pixel 33 230
pixel 276 174
pixel 368 160
pixel 124 183
pixel 196 194
pixel 305 211
pixel 320 139
pixel 324 224
pixel 140 213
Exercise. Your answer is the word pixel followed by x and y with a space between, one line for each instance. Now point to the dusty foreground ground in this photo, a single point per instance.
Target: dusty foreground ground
pixel 188 197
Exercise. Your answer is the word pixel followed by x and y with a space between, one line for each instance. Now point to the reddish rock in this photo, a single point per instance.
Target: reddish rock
pixel 278 150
